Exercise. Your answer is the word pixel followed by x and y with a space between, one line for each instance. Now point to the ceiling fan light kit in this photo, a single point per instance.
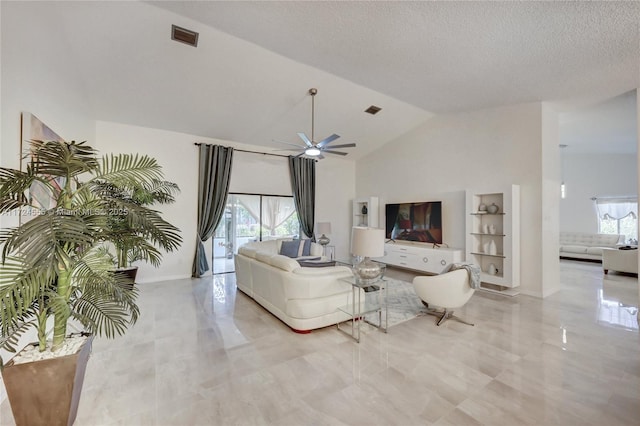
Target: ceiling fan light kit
pixel 312 148
pixel 312 151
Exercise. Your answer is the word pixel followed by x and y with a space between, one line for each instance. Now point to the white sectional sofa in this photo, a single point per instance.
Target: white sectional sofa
pixel 303 298
pixel 581 245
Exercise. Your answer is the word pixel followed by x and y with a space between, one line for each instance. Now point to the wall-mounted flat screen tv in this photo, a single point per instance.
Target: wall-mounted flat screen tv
pixel 419 222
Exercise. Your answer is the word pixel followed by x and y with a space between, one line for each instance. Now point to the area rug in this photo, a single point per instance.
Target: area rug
pixel 403 303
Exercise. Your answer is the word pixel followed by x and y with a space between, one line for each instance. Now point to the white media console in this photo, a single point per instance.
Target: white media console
pixel 419 257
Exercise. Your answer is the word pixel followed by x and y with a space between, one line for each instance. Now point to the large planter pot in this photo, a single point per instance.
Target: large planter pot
pixel 47 392
pixel 128 273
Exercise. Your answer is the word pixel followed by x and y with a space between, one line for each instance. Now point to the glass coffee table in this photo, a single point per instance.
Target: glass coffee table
pixel 375 302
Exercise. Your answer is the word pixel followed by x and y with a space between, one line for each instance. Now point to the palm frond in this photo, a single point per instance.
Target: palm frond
pixel 62 159
pixel 156 191
pixel 42 240
pixel 21 286
pixel 127 170
pixel 104 301
pixel 11 339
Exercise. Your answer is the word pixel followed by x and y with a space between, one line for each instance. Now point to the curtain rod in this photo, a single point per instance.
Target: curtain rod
pixel 251 152
pixel 624 197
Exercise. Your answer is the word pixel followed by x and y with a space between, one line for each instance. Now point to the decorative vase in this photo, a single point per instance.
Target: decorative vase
pixel 364 209
pixel 492 229
pixel 492 248
pixel 492 270
pixel 482 207
pixel 493 208
pixel 485 229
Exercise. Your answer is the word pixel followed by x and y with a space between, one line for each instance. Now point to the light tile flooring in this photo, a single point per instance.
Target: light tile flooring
pixel 204 354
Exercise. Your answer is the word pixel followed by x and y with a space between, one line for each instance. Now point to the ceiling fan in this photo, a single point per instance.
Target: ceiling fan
pixel 312 148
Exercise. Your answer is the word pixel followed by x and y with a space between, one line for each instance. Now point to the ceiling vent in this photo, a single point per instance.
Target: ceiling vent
pixel 184 35
pixel 373 110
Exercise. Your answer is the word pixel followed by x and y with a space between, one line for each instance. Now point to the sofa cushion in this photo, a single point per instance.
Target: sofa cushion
pixel 574 249
pixel 596 250
pixel 589 239
pixel 283 262
pixel 248 251
pixel 264 256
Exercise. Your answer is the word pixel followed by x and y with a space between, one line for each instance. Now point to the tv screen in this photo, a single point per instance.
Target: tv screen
pixel 420 222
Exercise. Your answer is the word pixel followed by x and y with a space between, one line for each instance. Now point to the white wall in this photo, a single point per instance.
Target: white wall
pixel 550 202
pixel 448 154
pixel 252 173
pixel 39 82
pixel 594 175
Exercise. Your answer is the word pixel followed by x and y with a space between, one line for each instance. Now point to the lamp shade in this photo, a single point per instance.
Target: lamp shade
pixel 367 242
pixel 323 227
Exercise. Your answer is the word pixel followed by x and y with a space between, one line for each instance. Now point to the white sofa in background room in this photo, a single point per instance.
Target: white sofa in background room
pixel 587 246
pixel 304 298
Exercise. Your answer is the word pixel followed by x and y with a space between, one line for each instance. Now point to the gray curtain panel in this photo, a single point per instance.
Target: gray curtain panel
pixel 213 188
pixel 303 182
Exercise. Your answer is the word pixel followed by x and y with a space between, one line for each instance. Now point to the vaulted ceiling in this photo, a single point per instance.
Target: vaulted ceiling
pixel 248 78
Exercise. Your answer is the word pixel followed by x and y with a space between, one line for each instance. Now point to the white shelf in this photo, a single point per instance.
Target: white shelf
pixel 506 222
pixel 370 218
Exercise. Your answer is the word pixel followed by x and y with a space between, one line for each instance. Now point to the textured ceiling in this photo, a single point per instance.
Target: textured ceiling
pixel 247 80
pixel 448 56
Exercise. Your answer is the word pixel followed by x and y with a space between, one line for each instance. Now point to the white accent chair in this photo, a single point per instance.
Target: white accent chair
pixel 620 261
pixel 449 291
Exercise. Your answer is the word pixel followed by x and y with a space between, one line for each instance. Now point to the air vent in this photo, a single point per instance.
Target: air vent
pixel 373 110
pixel 184 35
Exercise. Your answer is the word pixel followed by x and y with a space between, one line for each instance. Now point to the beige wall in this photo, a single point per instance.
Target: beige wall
pixel 448 154
pixel 251 173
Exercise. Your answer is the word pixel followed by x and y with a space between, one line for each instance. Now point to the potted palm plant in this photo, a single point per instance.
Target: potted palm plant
pixel 53 270
pixel 132 237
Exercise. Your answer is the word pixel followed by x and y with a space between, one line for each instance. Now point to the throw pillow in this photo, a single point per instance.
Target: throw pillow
pixel 290 248
pixel 306 250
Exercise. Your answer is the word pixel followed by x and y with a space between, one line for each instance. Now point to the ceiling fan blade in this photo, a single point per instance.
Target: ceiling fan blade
pixel 305 139
pixel 326 151
pixel 287 143
pixel 346 145
pixel 327 140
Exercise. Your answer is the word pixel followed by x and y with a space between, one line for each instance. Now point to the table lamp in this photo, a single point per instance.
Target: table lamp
pixel 367 243
pixel 323 228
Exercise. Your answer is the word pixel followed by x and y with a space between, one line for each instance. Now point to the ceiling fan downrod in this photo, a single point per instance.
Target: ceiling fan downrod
pixel 313 92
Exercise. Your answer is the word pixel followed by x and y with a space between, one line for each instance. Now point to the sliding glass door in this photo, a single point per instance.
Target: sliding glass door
pixel 252 217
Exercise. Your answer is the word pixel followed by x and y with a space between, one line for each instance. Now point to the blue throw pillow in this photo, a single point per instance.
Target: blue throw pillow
pixel 290 248
pixel 306 250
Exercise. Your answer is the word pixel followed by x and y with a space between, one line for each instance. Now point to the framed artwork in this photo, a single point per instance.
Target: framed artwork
pixel 39 196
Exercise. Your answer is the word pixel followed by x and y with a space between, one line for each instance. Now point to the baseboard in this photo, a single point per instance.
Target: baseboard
pixel 162 278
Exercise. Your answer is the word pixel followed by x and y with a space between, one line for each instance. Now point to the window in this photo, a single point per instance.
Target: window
pixel 252 217
pixel 618 216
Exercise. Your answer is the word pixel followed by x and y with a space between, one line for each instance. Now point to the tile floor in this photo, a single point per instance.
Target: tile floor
pixel 204 354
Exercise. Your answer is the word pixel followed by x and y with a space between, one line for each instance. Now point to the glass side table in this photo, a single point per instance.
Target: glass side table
pixel 375 301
